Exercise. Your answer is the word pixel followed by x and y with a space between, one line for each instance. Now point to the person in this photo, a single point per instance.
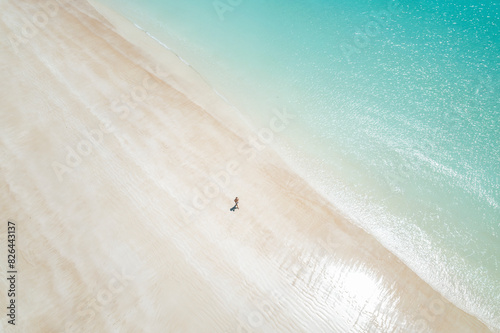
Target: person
pixel 236 200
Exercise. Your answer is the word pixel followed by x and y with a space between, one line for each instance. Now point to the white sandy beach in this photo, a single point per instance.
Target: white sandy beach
pixel 119 167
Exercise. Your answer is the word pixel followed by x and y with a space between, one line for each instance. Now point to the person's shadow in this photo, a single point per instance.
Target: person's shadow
pixel 234 208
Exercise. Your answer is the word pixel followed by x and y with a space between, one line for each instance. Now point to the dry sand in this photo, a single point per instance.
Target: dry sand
pixel 119 165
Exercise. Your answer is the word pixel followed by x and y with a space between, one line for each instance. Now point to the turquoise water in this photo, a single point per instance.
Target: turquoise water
pixel 396 109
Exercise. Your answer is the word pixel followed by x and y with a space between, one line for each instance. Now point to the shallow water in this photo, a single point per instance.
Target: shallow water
pixel 396 115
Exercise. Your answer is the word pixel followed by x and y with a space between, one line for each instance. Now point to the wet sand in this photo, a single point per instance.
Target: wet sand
pixel 119 167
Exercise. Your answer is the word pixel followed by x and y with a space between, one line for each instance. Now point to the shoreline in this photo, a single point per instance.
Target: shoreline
pixel 122 22
pixel 281 263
